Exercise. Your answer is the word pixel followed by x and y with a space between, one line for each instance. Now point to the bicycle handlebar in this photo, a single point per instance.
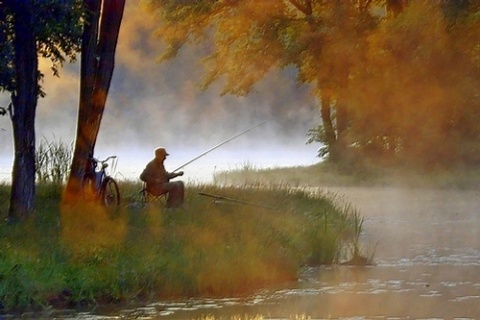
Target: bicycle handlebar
pixel 103 161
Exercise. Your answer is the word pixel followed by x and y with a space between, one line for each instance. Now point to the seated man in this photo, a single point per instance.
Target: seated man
pixel 158 180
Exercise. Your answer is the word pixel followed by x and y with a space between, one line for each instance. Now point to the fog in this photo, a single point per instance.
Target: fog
pixel 152 104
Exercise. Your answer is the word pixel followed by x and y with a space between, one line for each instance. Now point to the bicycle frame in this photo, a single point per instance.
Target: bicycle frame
pixel 104 187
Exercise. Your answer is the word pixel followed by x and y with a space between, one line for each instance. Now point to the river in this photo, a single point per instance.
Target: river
pixel 427 266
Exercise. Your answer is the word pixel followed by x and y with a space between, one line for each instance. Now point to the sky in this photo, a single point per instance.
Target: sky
pixel 153 104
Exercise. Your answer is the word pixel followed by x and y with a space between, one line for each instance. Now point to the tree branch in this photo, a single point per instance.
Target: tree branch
pixel 306 8
pixel 363 5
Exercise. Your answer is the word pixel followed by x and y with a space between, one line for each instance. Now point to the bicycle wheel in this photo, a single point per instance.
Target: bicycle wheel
pixel 110 195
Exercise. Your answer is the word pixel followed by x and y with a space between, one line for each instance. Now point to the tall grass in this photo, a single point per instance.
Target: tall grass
pixel 53 160
pixel 71 256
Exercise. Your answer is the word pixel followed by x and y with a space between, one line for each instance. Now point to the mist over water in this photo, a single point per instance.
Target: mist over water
pixel 131 162
pixel 251 150
pixel 152 104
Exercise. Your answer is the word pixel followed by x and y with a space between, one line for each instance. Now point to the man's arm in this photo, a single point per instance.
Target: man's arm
pixel 172 175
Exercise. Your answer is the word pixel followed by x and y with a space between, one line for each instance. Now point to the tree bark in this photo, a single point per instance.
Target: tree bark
pixel 395 7
pixel 327 120
pixel 334 133
pixel 338 152
pixel 87 78
pixel 98 62
pixel 24 101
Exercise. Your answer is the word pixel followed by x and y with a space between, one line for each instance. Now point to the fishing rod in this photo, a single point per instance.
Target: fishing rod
pixel 219 145
pixel 217 197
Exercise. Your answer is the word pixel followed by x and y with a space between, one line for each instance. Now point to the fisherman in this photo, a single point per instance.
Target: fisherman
pixel 158 180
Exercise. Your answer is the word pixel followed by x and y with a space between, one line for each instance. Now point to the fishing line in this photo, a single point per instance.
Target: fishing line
pixel 219 145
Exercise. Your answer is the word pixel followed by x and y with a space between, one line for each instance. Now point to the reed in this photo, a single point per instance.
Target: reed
pixel 86 255
pixel 53 160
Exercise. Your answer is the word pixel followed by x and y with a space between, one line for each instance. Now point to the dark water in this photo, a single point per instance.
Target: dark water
pixel 427 254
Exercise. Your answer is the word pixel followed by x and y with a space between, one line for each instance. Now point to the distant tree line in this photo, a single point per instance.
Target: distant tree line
pixel 397 81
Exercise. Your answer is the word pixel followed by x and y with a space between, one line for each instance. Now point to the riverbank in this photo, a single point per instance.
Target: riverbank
pixel 83 256
pixel 331 175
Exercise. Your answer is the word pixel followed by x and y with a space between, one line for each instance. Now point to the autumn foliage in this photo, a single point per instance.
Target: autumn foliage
pixel 397 82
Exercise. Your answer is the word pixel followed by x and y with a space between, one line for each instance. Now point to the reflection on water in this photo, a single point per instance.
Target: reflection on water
pixel 427 253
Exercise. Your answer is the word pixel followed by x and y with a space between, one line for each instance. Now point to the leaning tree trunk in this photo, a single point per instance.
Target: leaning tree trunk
pixel 87 78
pixel 24 100
pixel 98 56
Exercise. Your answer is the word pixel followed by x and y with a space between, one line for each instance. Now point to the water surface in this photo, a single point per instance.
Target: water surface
pixel 427 266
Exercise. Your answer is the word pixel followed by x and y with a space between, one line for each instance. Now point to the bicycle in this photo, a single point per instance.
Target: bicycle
pixel 98 185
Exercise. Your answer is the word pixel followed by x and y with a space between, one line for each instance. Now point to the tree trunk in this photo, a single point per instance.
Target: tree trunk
pixel 330 134
pixel 87 77
pixel 334 134
pixel 339 150
pixel 395 7
pixel 24 101
pixel 98 56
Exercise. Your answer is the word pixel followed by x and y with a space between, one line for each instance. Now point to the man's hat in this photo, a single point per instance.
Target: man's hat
pixel 161 151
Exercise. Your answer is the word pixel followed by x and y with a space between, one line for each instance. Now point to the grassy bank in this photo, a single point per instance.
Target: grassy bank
pixel 328 174
pixel 68 257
